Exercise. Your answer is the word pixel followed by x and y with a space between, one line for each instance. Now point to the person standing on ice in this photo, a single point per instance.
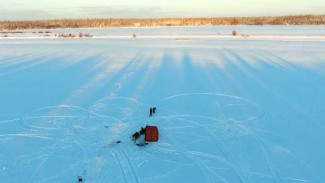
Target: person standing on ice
pixel 150 114
pixel 142 131
pixel 79 179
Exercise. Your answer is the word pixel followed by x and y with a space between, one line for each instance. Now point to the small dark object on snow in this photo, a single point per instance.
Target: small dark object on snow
pixel 142 144
pixel 135 136
pixel 79 179
pixel 154 110
pixel 142 131
pixel 150 114
pixel 118 141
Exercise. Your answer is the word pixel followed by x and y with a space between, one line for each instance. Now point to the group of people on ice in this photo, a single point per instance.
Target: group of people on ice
pixel 152 111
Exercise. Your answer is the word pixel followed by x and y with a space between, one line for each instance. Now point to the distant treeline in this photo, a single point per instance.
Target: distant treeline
pixel 107 23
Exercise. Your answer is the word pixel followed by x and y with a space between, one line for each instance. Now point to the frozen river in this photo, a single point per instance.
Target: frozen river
pixel 227 110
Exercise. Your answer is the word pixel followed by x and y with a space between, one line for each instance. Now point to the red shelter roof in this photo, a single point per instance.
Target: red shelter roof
pixel 152 134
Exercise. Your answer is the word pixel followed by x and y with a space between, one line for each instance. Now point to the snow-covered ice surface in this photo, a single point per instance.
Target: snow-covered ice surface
pixel 314 33
pixel 227 110
pixel 195 31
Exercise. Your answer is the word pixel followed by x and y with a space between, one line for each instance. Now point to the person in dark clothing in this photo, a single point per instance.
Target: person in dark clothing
pixel 135 136
pixel 142 131
pixel 154 110
pixel 79 179
pixel 150 114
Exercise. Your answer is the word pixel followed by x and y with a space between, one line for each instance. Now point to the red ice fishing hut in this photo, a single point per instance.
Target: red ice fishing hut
pixel 152 134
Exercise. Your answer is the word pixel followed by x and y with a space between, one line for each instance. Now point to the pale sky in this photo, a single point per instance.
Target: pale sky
pixel 58 9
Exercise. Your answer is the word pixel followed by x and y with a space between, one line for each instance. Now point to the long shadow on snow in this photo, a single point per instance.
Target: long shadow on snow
pixel 286 85
pixel 46 86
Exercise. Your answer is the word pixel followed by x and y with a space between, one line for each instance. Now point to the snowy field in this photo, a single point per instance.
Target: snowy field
pixel 280 33
pixel 228 111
